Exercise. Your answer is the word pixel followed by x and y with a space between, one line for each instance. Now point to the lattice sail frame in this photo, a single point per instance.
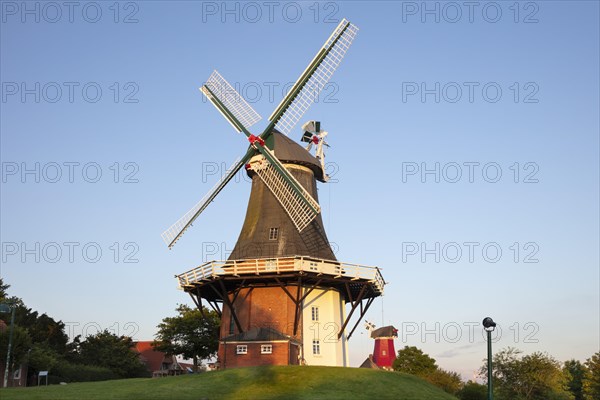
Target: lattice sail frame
pixel 241 116
pixel 337 48
pixel 234 101
pixel 175 231
pixel 299 212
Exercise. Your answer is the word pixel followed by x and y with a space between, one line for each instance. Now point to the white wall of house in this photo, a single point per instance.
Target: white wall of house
pixel 323 314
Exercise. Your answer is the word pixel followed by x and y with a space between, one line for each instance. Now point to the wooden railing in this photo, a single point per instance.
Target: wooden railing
pixel 213 269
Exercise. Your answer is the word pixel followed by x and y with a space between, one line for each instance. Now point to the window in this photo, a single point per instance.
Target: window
pixel 241 349
pixel 315 313
pixel 384 353
pixel 273 233
pixel 266 349
pixel 316 347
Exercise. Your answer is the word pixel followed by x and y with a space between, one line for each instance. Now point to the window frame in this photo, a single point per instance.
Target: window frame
pixel 314 313
pixel 266 349
pixel 316 347
pixel 241 349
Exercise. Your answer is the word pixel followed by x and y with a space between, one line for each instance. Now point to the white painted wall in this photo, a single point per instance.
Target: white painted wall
pixel 333 352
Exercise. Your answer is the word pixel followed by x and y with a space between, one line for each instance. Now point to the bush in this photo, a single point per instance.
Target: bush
pixel 450 382
pixel 472 391
pixel 65 371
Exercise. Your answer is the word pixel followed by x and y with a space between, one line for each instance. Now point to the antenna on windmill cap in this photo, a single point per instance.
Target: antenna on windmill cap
pixel 369 326
pixel 314 135
pixel 312 127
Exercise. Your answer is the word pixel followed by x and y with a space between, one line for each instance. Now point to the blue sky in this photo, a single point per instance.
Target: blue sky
pixel 497 88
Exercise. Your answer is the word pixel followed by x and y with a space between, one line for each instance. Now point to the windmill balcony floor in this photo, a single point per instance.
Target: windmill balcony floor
pixel 349 278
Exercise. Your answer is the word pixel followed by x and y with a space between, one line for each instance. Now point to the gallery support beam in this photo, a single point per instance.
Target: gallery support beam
pixel 299 298
pixel 363 311
pixel 355 304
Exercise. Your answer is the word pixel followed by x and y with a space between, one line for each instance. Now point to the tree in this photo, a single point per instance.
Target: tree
pixel 574 373
pixel 449 381
pixel 535 376
pixel 189 334
pixel 42 341
pixel 108 350
pixel 3 289
pixel 591 381
pixel 43 358
pixel 41 328
pixel 5 298
pixel 21 342
pixel 472 391
pixel 412 360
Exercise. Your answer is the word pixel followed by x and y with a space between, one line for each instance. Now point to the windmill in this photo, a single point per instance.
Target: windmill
pixel 384 352
pixel 282 279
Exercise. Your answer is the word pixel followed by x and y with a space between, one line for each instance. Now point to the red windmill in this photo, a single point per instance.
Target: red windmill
pixel 384 352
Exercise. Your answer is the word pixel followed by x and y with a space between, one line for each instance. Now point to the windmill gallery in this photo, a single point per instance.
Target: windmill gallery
pixel 282 294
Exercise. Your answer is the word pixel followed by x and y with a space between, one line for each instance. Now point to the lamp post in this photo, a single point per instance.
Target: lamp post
pixel 489 325
pixel 7 308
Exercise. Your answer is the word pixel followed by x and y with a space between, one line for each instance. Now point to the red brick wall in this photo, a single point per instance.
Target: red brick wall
pixel 267 307
pixel 264 308
pixel 229 358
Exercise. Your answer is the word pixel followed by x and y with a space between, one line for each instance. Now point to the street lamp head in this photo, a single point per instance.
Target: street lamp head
pixel 489 324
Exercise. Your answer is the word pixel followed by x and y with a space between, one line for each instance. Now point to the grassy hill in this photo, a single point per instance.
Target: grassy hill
pixel 281 383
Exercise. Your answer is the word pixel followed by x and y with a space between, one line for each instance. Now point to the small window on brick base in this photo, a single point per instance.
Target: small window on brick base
pixel 273 233
pixel 266 349
pixel 241 349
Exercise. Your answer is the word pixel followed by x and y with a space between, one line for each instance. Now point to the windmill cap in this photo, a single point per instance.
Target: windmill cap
pixel 385 331
pixel 290 152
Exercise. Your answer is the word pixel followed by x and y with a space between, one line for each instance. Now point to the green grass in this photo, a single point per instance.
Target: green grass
pixel 261 383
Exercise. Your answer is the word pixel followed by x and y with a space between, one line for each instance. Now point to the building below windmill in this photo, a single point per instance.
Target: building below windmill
pixel 384 352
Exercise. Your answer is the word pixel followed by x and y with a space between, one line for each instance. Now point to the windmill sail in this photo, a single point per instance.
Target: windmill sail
pixel 313 79
pixel 171 235
pixel 231 104
pixel 301 207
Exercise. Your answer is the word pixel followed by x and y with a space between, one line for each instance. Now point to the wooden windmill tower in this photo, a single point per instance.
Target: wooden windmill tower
pixel 282 294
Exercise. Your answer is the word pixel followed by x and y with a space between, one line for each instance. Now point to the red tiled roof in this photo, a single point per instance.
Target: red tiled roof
pixel 152 358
